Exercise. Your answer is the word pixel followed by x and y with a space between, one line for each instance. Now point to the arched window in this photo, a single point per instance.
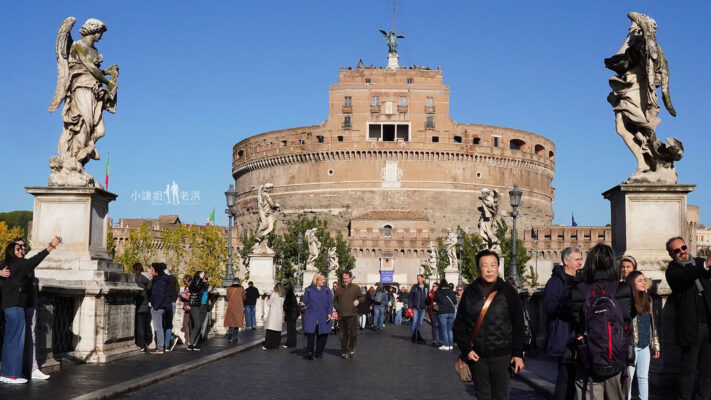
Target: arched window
pixel 517 144
pixel 540 150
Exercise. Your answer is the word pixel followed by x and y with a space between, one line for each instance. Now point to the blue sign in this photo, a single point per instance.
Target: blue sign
pixel 386 276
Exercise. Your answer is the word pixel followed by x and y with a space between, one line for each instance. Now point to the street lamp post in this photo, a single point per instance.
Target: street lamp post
pixel 231 196
pixel 460 242
pixel 515 197
pixel 299 240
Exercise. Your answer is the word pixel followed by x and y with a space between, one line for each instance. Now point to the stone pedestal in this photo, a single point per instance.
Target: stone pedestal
pixel 393 61
pixel 644 217
pixel 86 303
pixel 261 272
pixel 451 275
pixel 308 276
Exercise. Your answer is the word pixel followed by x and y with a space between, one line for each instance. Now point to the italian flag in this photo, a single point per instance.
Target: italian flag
pixel 211 218
pixel 106 181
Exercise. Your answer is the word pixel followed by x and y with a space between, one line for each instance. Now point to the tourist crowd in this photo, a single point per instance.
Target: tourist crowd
pixel 602 330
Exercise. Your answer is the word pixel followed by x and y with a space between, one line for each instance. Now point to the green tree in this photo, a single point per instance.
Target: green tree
pixel 193 248
pixel 243 253
pixel 286 249
pixel 471 246
pixel 110 243
pixel 16 218
pixel 7 234
pixel 138 248
pixel 522 257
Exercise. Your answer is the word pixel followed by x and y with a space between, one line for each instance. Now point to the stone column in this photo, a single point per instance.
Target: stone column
pixel 643 217
pixel 261 272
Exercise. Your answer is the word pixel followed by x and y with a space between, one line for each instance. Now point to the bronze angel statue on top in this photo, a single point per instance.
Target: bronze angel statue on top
pixel 641 68
pixel 391 40
pixel 86 92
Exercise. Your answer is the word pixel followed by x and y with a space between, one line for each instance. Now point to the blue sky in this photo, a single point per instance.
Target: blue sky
pixel 197 77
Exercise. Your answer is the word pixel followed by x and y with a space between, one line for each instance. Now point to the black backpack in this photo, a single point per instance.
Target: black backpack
pixel 603 347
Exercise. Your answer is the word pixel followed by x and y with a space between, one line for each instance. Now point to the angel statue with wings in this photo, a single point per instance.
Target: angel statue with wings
pixel 86 92
pixel 391 40
pixel 641 68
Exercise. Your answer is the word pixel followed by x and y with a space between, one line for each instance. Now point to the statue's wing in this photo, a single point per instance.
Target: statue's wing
pixel 400 37
pixel 383 32
pixel 63 45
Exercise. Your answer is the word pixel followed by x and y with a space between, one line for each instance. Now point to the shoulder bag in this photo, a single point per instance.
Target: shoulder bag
pixel 461 366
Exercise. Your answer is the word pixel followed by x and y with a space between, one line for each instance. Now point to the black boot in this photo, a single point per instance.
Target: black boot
pixel 414 338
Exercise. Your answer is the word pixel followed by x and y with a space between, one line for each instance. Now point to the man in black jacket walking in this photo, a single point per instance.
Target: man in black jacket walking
pixel 691 295
pixel 250 305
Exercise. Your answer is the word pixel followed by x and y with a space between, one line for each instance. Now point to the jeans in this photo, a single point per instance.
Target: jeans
pixel 157 316
pixel 398 317
pixel 197 316
pixel 416 327
pixel 168 324
pixel 445 326
pixel 379 318
pixel 315 343
pixel 14 344
pixel 643 358
pixel 250 316
pixel 565 382
pixel 434 321
pixel 30 355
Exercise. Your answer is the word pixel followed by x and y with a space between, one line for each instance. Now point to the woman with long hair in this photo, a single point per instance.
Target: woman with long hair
pixel 275 318
pixel 198 308
pixel 645 336
pixel 446 301
pixel 600 276
pixel 16 296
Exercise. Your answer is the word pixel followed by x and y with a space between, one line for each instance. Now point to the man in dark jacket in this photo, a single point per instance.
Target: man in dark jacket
pixel 161 293
pixel 250 305
pixel 416 300
pixel 688 279
pixel 346 300
pixel 563 277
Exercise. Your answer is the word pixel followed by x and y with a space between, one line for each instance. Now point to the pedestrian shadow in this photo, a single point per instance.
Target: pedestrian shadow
pixel 405 338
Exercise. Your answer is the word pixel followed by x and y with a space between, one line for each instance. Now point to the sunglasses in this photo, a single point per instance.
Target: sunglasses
pixel 679 250
pixel 22 246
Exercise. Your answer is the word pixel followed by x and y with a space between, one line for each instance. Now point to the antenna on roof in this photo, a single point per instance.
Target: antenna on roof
pixel 393 15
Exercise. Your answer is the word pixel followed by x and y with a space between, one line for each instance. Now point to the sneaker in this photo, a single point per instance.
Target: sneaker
pixel 284 346
pixel 451 347
pixel 352 355
pixel 172 344
pixel 345 355
pixel 38 375
pixel 5 379
pixel 142 349
pixel 443 347
pixel 264 348
pixel 189 348
pixel 157 351
pixel 197 348
pixel 254 328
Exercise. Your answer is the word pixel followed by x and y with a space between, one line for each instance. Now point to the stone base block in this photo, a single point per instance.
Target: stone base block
pixel 644 217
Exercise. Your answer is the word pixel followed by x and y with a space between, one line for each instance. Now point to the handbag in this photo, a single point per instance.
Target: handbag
pixel 461 367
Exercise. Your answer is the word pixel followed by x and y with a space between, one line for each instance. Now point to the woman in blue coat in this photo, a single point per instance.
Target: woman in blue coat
pixel 318 300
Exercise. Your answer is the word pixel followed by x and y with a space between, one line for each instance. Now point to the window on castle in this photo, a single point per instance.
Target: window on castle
pixel 409 81
pixel 388 132
pixel 429 102
pixel 435 139
pixel 496 141
pixel 347 101
pixel 375 101
pixel 403 101
pixel 367 80
pixel 457 139
pixel 320 138
pixel 388 230
pixel 477 140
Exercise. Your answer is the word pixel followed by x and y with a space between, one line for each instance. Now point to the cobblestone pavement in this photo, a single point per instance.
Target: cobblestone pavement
pixel 387 365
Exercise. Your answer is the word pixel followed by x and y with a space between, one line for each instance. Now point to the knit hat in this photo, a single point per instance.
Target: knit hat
pixel 630 259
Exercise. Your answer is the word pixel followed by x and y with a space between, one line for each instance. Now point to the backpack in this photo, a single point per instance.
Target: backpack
pixel 603 347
